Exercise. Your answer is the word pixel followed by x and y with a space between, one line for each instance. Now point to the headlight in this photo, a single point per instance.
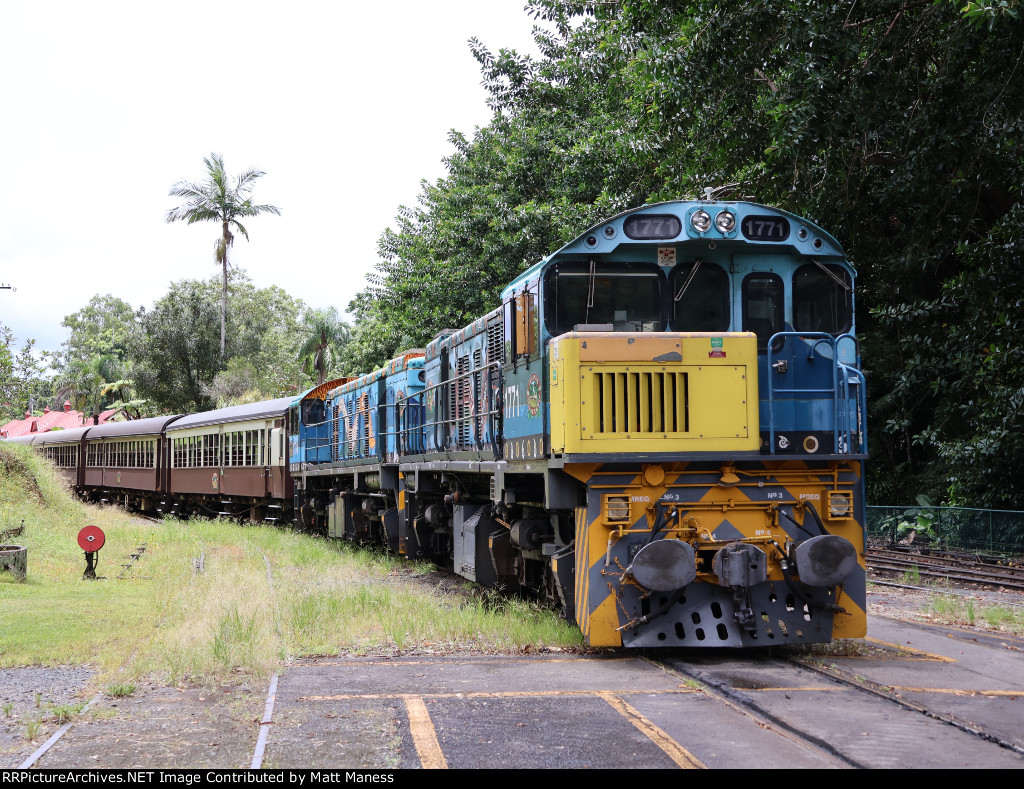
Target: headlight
pixel 700 221
pixel 725 222
pixel 617 508
pixel 840 504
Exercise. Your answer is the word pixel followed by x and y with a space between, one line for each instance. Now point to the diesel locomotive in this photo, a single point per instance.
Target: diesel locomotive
pixel 660 429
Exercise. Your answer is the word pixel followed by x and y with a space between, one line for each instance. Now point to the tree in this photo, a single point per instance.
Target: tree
pixel 103 326
pixel 89 382
pixel 176 350
pixel 8 383
pixel 325 335
pixel 176 363
pixel 897 126
pixel 220 199
pixel 23 387
pixel 545 168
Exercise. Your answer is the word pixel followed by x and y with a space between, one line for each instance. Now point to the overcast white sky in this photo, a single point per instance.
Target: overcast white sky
pixel 345 106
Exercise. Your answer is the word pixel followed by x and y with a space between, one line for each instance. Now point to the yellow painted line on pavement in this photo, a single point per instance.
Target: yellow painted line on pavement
pixel 918 654
pixel 423 735
pixel 673 749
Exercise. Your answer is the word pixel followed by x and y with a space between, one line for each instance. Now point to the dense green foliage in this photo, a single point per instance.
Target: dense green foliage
pixel 167 359
pixel 176 355
pixel 23 386
pixel 896 125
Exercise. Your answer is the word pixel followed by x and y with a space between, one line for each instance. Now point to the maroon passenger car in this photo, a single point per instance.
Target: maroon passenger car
pixel 231 461
pixel 62 447
pixel 126 462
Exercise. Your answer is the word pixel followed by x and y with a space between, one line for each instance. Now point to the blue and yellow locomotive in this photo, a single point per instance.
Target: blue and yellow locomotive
pixel 661 429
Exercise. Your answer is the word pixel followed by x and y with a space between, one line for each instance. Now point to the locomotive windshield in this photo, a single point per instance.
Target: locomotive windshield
pixel 625 297
pixel 313 412
pixel 700 300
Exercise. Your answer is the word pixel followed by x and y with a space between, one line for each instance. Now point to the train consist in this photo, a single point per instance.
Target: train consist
pixel 660 429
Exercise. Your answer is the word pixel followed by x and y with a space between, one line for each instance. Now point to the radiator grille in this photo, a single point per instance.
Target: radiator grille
pixel 641 402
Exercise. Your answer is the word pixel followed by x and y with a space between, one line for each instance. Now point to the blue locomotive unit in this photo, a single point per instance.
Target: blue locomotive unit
pixel 660 429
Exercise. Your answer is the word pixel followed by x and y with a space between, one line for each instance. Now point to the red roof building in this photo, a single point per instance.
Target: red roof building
pixel 50 420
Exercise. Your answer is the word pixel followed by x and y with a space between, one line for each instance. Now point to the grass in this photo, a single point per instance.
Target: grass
pixel 65 712
pixel 32 728
pixel 120 690
pixel 181 625
pixel 960 610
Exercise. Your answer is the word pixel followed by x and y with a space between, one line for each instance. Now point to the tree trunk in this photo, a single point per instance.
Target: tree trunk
pixel 223 307
pixel 224 291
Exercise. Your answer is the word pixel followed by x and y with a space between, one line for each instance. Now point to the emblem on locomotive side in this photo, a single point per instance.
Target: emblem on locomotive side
pixel 533 395
pixel 214 481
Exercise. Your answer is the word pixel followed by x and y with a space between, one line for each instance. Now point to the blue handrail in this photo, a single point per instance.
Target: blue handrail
pixel 846 426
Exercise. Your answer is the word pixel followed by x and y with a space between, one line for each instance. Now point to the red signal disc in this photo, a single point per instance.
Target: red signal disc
pixel 91 538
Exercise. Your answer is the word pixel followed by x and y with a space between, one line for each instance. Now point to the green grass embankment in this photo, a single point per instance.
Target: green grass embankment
pixel 176 621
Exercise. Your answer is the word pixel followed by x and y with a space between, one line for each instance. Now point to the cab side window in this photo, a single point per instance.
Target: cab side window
pixel 822 299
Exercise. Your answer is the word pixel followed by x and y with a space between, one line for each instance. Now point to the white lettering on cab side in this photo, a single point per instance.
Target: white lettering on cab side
pixel 512 402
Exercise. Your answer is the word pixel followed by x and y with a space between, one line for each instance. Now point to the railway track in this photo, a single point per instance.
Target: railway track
pixel 881 724
pixel 947 567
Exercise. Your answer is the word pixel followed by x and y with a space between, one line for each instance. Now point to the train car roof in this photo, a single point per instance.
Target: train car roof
pixel 135 427
pixel 235 413
pixel 72 436
pixel 22 439
pixel 320 391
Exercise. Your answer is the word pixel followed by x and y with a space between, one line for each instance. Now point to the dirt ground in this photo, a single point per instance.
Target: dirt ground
pixel 198 727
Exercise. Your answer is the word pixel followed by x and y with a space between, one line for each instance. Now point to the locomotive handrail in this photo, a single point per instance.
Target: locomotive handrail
pixel 315 442
pixel 410 424
pixel 843 431
pixel 442 391
pixel 409 434
pixel 862 439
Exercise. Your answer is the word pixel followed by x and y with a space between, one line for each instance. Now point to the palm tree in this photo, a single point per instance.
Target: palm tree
pixel 88 381
pixel 219 199
pixel 326 333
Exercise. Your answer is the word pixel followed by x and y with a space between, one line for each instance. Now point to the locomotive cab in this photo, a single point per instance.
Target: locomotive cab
pixel 674 361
